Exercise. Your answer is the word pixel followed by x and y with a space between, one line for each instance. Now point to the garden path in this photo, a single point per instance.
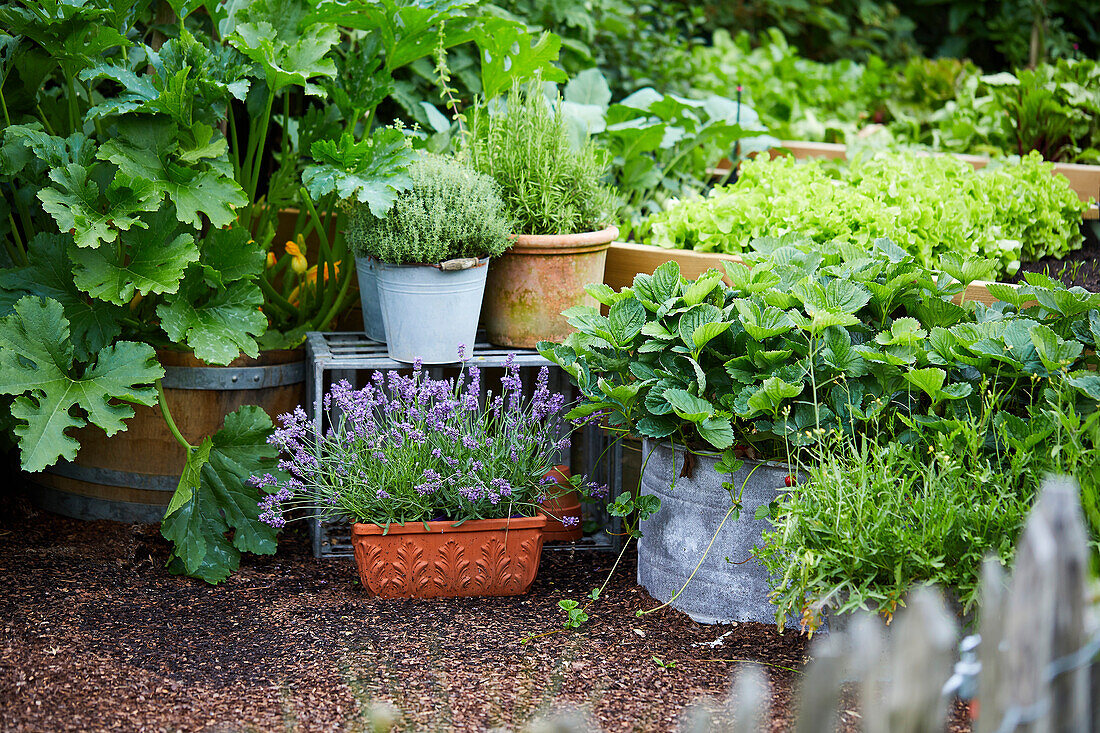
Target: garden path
pixel 96 635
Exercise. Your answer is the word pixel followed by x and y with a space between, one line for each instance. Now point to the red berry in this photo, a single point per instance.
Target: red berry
pixel 790 480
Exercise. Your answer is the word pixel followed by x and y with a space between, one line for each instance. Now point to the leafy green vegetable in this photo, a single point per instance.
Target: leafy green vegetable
pixel 370 171
pixel 933 207
pixel 288 55
pixel 661 145
pixel 830 345
pixel 215 497
pixel 510 53
pixel 36 365
pixel 151 260
pixel 218 326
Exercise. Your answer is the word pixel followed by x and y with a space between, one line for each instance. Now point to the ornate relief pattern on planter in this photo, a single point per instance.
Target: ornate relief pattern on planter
pixel 487 557
pixel 452 569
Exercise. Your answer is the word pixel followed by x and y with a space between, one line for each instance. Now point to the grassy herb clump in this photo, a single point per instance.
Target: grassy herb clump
pixel 550 183
pixel 449 211
pixel 870 520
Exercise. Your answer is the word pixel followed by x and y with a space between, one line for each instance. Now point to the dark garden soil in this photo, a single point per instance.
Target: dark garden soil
pixel 97 636
pixel 1080 267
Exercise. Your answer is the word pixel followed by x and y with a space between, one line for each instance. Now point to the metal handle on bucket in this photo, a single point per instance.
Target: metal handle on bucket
pixel 462 263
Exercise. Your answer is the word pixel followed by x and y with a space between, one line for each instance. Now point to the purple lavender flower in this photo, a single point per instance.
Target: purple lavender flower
pixel 273 519
pixel 570 521
pixel 502 487
pixel 398 431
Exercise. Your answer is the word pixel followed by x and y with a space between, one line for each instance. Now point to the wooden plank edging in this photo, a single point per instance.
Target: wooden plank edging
pixel 626 259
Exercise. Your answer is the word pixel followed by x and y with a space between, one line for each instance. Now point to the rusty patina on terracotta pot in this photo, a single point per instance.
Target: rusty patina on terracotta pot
pixel 537 279
pixel 480 557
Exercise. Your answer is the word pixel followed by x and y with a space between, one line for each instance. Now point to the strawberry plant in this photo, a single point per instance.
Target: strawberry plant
pixel 800 346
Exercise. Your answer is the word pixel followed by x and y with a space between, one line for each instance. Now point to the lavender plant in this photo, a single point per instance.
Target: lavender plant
pixel 415 449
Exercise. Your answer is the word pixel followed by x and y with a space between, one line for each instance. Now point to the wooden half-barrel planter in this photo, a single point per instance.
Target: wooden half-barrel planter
pixel 131 476
pixel 1083 179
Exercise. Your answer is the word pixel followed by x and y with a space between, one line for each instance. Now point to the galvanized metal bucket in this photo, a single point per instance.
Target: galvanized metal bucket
pixel 429 310
pixel 368 297
pixel 731 585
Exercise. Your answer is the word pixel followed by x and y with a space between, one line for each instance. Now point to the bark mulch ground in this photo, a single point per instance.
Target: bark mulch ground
pixel 96 635
pixel 1079 267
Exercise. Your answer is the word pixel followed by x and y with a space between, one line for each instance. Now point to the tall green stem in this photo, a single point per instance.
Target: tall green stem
pixel 277 300
pixel 70 97
pixel 15 247
pixel 96 122
pixel 45 122
pixel 168 419
pixel 286 121
pixel 265 123
pixel 4 107
pixel 324 255
pixel 322 234
pixel 235 145
pixel 340 301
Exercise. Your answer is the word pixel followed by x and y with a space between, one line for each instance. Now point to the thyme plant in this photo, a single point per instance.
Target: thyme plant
pixel 449 211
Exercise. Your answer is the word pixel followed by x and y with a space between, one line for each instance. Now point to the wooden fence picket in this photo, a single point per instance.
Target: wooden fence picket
pixel 749 701
pixel 993 697
pixel 820 690
pixel 1060 511
pixel 744 711
pixel 1029 617
pixel 918 663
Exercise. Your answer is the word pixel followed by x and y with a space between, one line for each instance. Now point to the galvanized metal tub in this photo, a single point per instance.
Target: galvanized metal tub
pixel 430 310
pixel 130 477
pixel 730 585
pixel 538 278
pixel 373 325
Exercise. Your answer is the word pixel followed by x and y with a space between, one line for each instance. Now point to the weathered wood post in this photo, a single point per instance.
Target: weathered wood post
pixel 1039 621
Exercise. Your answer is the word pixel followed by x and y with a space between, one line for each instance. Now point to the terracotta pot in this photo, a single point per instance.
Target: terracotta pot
pixel 480 557
pixel 539 277
pixel 566 505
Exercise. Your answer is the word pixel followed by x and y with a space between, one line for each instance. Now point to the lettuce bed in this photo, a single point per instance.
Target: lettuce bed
pixel 1011 211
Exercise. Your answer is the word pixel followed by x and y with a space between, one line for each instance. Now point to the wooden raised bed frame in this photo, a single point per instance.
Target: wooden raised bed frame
pixel 625 260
